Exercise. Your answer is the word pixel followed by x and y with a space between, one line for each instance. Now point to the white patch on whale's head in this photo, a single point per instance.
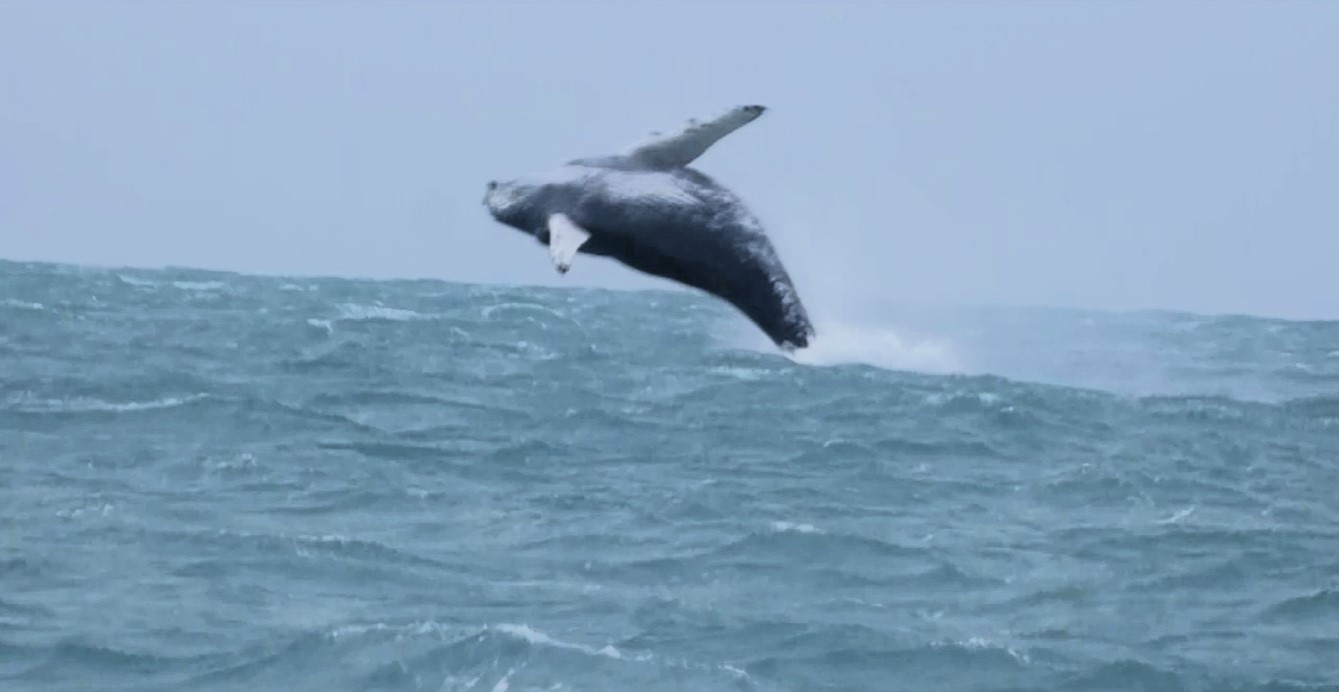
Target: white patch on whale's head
pixel 508 200
pixel 524 202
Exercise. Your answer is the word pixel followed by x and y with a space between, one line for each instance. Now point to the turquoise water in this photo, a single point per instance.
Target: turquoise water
pixel 224 482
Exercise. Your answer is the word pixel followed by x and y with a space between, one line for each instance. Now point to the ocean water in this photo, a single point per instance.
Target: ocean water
pixel 224 482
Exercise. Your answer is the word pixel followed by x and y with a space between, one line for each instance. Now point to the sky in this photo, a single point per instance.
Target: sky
pixel 1104 155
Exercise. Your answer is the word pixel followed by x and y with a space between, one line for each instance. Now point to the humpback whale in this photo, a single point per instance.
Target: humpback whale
pixel 648 209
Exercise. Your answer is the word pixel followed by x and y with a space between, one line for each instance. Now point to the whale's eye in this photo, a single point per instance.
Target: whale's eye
pixel 492 185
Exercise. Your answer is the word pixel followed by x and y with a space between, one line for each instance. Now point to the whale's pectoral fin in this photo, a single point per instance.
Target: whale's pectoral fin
pixel 565 238
pixel 680 147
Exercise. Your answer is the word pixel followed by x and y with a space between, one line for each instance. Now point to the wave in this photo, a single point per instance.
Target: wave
pixel 377 312
pixel 531 635
pixel 518 632
pixel 199 285
pixel 1320 605
pixel 1322 407
pixel 784 526
pixel 179 284
pixel 317 547
pixel 807 660
pixel 74 656
pixel 136 281
pixel 489 311
pixel 431 654
pixel 1317 410
pixel 92 405
pixel 21 305
pixel 428 654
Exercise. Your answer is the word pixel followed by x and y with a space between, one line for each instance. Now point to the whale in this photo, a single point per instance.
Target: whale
pixel 648 209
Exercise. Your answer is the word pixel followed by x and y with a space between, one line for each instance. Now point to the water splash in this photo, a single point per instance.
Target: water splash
pixel 840 342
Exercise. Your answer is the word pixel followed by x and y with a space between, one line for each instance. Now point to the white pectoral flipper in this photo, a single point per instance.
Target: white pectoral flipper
pixel 565 238
pixel 679 148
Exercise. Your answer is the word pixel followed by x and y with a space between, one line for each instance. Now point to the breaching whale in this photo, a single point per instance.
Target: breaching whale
pixel 649 210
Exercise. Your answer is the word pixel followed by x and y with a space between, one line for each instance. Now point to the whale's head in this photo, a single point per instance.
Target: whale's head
pixel 513 202
pixel 526 203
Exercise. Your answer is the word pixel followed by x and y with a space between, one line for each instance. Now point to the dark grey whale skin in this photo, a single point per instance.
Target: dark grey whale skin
pixel 702 236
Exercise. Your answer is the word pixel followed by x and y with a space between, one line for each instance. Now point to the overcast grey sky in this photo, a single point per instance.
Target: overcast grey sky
pixel 1106 155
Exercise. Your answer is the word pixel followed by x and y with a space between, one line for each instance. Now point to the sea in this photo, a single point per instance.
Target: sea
pixel 218 481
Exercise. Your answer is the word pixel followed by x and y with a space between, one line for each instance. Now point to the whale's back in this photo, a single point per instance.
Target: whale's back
pixel 683 226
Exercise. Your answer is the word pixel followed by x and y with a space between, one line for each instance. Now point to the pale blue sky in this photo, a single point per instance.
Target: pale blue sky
pixel 1106 155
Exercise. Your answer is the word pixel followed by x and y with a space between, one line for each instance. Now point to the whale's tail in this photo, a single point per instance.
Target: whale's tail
pixel 776 309
pixel 754 283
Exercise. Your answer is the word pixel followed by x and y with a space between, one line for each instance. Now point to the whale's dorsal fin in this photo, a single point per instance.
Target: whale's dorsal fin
pixel 565 238
pixel 680 147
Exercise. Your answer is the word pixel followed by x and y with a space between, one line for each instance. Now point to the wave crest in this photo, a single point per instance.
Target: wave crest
pixel 359 312
pixel 91 405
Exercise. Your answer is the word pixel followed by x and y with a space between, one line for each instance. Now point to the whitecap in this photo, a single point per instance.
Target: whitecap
pixel 535 351
pixel 89 510
pixel 133 281
pixel 357 312
pixel 746 374
pixel 199 285
pixel 535 636
pixel 91 405
pixel 791 527
pixel 522 632
pixel 21 305
pixel 1177 517
pixel 242 462
pixel 425 627
pixel 982 644
pixel 944 398
pixel 487 312
pixel 738 673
